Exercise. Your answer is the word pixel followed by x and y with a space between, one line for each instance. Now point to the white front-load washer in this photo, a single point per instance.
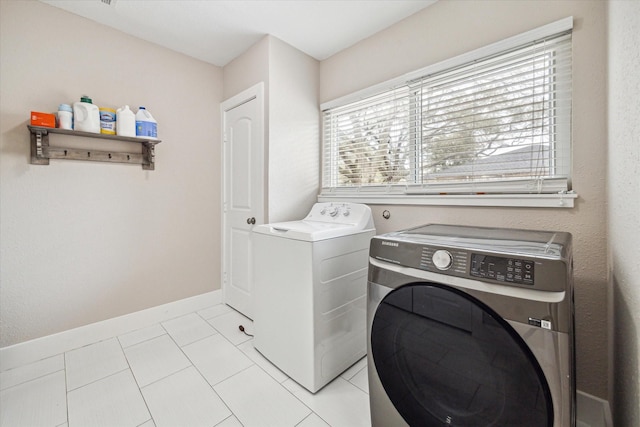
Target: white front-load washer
pixel 471 326
pixel 310 280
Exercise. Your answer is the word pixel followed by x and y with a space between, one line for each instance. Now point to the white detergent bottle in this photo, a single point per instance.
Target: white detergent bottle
pixel 86 116
pixel 146 126
pixel 125 122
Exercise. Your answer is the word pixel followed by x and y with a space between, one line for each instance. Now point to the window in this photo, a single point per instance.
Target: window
pixel 499 123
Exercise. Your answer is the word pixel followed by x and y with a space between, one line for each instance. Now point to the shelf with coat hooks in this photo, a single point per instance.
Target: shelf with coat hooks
pixel 41 151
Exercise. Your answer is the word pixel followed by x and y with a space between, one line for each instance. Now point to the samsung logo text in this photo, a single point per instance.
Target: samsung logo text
pixel 394 244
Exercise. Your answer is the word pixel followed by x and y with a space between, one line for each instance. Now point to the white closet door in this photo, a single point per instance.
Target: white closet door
pixel 243 192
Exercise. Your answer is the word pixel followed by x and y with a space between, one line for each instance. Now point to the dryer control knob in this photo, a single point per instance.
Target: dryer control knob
pixel 442 259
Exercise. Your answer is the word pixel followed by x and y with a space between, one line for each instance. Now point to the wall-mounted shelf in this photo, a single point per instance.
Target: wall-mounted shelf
pixel 41 151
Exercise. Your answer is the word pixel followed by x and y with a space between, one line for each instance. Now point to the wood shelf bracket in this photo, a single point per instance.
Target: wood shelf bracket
pixel 41 151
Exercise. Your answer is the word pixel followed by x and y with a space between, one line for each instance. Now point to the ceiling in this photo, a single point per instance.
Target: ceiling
pixel 217 31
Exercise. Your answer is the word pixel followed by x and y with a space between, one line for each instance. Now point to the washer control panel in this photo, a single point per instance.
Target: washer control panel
pixel 352 214
pixel 458 262
pixel 533 260
pixel 502 269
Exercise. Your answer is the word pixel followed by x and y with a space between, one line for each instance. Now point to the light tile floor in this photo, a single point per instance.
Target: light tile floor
pixel 195 370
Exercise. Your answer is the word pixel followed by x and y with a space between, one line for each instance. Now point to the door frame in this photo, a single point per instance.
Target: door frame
pixel 254 92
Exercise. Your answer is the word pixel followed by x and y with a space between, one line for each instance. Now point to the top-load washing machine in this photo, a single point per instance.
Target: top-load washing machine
pixel 310 285
pixel 471 326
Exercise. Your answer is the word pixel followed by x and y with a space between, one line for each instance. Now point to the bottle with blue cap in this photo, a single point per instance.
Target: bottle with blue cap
pixel 146 126
pixel 65 116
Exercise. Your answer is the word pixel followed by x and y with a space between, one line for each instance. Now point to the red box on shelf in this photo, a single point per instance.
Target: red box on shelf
pixel 43 119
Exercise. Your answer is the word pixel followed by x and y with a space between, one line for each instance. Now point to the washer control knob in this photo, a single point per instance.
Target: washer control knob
pixel 442 259
pixel 333 211
pixel 323 211
pixel 346 212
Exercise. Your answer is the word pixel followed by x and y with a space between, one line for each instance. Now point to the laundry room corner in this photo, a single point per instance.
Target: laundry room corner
pixel 83 242
pixel 357 213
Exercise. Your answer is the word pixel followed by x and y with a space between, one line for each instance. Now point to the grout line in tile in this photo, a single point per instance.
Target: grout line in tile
pixel 200 316
pixel 201 376
pixel 142 342
pixel 162 326
pixel 164 378
pixel 91 343
pixel 66 386
pixel 221 400
pixel 219 314
pixel 30 363
pixel 312 413
pixel 281 384
pixel 66 381
pixel 139 329
pixel 99 379
pixel 357 373
pixel 35 378
pixel 136 379
pixel 298 399
pixel 232 415
pixel 213 385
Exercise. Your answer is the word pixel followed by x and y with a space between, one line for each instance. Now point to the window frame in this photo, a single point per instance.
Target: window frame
pixel 557 192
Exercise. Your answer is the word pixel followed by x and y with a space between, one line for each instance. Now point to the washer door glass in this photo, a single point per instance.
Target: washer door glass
pixel 445 358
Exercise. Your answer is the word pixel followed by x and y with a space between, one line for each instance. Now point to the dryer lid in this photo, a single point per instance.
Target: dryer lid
pixel 309 231
pixel 324 221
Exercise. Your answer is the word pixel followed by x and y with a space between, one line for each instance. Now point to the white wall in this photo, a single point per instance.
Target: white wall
pixel 245 71
pixel 449 28
pixel 294 120
pixel 248 69
pixel 624 208
pixel 291 81
pixel 84 241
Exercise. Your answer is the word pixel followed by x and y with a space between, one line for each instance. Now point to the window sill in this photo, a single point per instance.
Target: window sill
pixel 565 200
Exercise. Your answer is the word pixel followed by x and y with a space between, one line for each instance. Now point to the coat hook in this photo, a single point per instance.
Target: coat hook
pixel 386 214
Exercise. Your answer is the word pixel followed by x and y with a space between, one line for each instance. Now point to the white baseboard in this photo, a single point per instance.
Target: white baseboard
pixel 41 348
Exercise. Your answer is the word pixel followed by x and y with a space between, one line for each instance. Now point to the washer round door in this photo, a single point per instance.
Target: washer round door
pixel 446 359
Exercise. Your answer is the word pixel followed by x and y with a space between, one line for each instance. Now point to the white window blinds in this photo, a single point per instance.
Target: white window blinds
pixel 369 141
pixel 498 124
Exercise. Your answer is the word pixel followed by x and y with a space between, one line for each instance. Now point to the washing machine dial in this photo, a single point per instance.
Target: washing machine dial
pixel 442 259
pixel 333 211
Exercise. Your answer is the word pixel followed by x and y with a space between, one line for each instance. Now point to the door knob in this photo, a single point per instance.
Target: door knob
pixel 251 220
